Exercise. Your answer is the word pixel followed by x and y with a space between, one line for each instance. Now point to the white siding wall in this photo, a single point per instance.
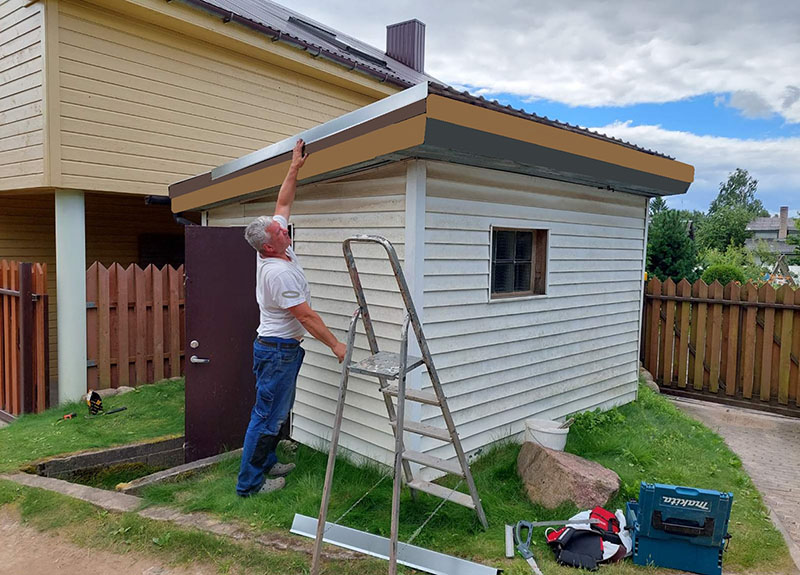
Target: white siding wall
pixel 323 216
pixel 21 120
pixel 505 361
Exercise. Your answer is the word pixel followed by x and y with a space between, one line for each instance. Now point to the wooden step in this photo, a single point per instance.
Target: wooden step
pixel 443 492
pixel 427 430
pixel 451 467
pixel 384 364
pixel 413 395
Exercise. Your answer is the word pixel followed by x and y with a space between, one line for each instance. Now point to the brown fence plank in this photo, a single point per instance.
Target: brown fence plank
pixel 667 333
pixel 794 376
pixel 700 289
pixel 175 279
pixel 123 331
pixel 767 343
pixel 14 333
pixel 749 341
pixel 5 327
pixel 103 328
pixel 158 324
pixel 141 325
pixel 785 295
pixel 41 359
pixel 654 286
pixel 731 349
pixel 684 290
pixel 714 360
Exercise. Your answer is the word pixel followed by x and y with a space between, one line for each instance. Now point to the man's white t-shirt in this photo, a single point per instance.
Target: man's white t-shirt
pixel 280 284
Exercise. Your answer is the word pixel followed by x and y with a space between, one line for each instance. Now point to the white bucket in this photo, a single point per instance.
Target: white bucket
pixel 546 433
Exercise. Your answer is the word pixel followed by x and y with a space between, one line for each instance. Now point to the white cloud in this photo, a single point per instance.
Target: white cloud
pixel 772 162
pixel 588 53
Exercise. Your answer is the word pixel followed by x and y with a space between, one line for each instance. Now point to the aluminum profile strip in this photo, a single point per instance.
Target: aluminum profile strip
pixel 322 131
pixel 377 546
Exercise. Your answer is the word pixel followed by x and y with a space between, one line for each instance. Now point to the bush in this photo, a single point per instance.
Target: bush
pixel 723 273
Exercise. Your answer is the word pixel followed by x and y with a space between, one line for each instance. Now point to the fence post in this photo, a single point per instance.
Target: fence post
pixel 26 340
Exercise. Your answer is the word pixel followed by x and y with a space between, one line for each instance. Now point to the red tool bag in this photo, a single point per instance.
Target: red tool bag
pixel 582 545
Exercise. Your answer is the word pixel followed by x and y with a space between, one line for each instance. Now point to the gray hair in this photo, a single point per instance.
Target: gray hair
pixel 256 232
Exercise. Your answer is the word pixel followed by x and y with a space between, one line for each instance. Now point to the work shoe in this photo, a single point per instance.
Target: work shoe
pixel 280 469
pixel 271 485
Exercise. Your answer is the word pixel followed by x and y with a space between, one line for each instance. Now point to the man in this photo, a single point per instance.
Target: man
pixel 286 315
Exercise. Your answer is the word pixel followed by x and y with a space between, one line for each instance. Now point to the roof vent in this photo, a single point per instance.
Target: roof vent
pixel 405 42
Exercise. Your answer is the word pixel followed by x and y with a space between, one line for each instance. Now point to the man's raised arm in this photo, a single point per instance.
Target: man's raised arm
pixel 283 206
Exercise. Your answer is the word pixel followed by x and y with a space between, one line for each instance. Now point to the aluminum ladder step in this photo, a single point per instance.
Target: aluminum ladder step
pixel 413 395
pixel 436 462
pixel 443 492
pixel 384 364
pixel 427 430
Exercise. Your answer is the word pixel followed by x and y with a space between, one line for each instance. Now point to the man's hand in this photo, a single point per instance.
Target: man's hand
pixel 299 154
pixel 339 350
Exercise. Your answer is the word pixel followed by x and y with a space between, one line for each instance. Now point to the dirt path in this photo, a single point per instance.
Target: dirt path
pixel 26 551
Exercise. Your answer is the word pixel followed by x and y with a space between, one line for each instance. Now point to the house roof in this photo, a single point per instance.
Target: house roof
pixel 774 245
pixel 768 224
pixel 282 24
pixel 434 122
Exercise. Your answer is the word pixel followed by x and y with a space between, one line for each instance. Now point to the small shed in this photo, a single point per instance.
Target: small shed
pixel 523 242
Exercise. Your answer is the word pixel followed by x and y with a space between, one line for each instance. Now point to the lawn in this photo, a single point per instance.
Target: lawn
pixel 647 440
pixel 154 411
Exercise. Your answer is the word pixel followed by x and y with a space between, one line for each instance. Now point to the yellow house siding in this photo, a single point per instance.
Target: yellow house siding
pixel 143 106
pixel 21 123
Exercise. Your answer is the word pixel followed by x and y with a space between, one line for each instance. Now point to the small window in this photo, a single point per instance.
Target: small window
pixel 519 262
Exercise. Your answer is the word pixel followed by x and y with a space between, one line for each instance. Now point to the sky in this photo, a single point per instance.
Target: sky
pixel 715 84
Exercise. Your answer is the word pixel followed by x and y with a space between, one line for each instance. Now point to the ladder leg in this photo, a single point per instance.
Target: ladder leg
pixel 398 450
pixel 337 425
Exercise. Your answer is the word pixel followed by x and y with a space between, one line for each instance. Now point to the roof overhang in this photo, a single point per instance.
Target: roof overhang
pixel 422 122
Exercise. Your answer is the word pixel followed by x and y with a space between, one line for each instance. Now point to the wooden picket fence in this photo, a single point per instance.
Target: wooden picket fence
pixel 134 323
pixel 733 344
pixel 24 357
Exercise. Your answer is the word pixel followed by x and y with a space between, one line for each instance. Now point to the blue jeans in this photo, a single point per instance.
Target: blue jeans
pixel 276 369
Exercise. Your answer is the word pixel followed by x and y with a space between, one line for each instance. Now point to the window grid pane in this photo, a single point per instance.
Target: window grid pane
pixel 513 261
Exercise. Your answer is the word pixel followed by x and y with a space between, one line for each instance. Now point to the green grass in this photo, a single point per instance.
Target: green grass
pixel 647 440
pixel 123 533
pixel 153 411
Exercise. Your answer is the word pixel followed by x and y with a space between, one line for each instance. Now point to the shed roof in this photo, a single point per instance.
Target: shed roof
pixel 435 122
pixel 281 23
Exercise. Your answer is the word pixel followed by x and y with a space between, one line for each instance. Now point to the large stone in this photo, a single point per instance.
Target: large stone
pixel 647 379
pixel 554 477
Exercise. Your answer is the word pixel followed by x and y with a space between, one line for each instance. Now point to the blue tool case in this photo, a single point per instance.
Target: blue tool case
pixel 679 527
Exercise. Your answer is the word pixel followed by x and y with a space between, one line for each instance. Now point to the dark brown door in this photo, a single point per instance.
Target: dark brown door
pixel 221 322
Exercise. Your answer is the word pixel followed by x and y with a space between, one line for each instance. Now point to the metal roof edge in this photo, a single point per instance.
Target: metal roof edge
pixel 335 126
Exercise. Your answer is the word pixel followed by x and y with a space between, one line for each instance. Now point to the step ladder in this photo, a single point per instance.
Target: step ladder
pixel 386 367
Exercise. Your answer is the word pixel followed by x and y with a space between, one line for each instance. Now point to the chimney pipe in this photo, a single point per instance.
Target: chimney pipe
pixel 405 42
pixel 784 229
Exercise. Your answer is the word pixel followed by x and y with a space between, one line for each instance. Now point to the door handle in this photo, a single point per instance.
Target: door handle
pixel 195 359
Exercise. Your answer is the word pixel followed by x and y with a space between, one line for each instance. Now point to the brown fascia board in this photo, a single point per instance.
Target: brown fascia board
pixel 451 130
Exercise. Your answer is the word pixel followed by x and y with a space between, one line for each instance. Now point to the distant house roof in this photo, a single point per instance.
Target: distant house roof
pixel 769 224
pixel 774 245
pixel 282 24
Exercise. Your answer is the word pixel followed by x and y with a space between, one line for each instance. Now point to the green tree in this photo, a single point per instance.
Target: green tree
pixel 670 250
pixel 794 240
pixel 740 258
pixel 739 191
pixel 725 227
pixel 657 205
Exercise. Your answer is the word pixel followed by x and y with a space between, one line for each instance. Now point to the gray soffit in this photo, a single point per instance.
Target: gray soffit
pixel 284 25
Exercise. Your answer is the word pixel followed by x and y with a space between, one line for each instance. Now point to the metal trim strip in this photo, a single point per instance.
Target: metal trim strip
pixel 340 124
pixel 377 546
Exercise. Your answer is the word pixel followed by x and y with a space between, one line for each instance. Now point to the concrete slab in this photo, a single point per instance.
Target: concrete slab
pixel 769 447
